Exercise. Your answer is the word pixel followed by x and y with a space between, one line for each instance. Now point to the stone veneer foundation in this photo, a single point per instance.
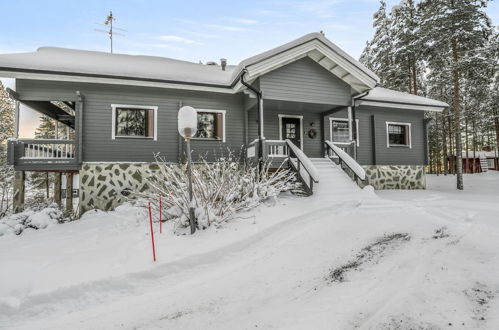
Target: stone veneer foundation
pixel 106 185
pixel 395 176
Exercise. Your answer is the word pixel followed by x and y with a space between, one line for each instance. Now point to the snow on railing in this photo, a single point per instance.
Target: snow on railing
pixel 277 148
pixel 49 149
pixel 304 160
pixel 348 160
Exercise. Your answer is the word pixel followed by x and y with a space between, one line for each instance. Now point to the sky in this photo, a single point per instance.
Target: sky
pixel 188 30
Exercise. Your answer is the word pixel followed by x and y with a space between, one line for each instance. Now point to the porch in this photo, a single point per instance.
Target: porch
pixel 58 152
pixel 307 125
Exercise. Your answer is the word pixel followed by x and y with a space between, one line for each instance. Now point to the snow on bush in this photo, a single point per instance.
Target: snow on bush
pixel 33 218
pixel 220 189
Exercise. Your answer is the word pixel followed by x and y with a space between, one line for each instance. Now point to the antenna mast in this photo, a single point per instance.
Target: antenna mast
pixel 108 23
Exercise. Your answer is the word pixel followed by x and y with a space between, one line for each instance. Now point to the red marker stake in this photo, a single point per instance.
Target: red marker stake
pixel 152 234
pixel 160 216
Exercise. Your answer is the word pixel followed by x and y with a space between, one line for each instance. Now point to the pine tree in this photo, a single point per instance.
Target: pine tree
pixel 407 45
pixel 46 129
pixel 7 113
pixel 451 28
pixel 42 180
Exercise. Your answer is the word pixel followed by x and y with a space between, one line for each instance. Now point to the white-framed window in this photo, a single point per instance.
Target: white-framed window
pixel 339 130
pixel 398 134
pixel 134 121
pixel 211 125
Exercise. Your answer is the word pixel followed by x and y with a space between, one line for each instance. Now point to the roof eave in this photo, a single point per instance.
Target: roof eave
pixel 403 105
pixel 22 73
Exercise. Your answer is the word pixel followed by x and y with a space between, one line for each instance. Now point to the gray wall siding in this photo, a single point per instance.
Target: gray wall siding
pixel 97 143
pixel 311 147
pixel 391 155
pixel 305 81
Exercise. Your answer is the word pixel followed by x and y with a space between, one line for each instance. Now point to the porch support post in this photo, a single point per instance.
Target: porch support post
pixel 19 189
pixel 323 134
pixel 57 188
pixel 350 124
pixel 78 126
pixel 69 192
pixel 16 131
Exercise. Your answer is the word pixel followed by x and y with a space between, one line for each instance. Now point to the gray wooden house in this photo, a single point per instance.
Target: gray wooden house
pixel 123 108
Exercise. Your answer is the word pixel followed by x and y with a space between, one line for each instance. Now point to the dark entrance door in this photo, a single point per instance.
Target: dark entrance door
pixel 291 130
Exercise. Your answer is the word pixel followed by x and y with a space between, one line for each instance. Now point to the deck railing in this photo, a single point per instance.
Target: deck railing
pixel 32 151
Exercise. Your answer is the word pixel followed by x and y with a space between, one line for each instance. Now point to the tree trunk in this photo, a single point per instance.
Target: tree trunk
pixel 444 145
pixel 47 184
pixel 414 77
pixel 451 147
pixel 474 146
pixel 496 125
pixel 457 117
pixel 466 170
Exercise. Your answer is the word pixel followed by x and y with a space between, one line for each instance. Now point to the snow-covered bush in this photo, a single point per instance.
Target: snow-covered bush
pixel 220 189
pixel 32 218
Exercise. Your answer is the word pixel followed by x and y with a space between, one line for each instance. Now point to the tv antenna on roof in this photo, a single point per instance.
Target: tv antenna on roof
pixel 108 23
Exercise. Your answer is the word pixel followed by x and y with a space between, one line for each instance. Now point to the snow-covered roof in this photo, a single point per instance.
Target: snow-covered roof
pixel 384 95
pixel 83 62
pixel 87 64
pixel 304 39
pixel 91 66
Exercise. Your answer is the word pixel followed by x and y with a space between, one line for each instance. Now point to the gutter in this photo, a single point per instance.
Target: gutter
pixel 354 131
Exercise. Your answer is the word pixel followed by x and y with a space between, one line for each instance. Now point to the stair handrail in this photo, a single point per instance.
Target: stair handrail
pixel 344 158
pixel 302 161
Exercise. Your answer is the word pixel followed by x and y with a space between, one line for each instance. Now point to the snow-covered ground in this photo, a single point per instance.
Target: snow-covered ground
pixel 344 258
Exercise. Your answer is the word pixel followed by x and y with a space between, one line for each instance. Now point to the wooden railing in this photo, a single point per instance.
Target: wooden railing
pixel 283 151
pixel 346 162
pixel 304 169
pixel 22 152
pixel 276 149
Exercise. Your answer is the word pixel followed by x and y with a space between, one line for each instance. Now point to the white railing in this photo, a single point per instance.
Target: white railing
pixel 49 149
pixel 334 150
pixel 277 148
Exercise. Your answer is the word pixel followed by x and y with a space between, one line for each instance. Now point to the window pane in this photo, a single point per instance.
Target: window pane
pixel 397 134
pixel 131 122
pixel 206 125
pixel 340 131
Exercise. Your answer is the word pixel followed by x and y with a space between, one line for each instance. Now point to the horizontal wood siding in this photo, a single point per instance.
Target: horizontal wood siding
pixel 311 147
pixel 391 155
pixel 305 81
pixel 97 143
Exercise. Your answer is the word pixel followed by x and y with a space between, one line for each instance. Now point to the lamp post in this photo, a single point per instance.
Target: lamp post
pixel 187 127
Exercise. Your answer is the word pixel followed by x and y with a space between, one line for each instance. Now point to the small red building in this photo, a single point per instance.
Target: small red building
pixel 480 161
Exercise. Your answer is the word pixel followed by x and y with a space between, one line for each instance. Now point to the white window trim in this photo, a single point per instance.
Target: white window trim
pixel 301 126
pixel 343 119
pixel 131 106
pixel 388 145
pixel 223 124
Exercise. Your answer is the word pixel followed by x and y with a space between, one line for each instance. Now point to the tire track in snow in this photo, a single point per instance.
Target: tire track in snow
pixel 78 297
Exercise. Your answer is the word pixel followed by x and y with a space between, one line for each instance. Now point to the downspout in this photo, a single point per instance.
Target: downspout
pixel 259 99
pixel 354 122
